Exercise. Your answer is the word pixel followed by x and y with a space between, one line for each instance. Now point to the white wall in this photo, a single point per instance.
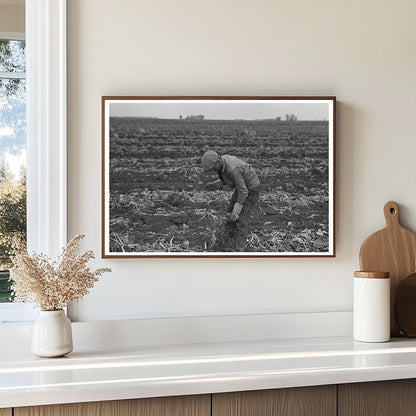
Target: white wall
pixel 12 18
pixel 361 51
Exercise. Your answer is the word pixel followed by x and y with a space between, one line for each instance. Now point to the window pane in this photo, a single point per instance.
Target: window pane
pixel 12 175
pixel 12 56
pixel 12 117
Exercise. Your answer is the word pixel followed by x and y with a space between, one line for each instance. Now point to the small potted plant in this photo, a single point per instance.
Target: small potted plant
pixel 52 286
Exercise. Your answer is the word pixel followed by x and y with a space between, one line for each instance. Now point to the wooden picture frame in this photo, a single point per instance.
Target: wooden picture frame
pixel 158 201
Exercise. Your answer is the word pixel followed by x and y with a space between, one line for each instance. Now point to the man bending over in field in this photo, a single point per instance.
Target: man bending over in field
pixel 242 177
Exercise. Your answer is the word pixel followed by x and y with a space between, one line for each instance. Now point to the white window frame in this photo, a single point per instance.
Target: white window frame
pixel 46 134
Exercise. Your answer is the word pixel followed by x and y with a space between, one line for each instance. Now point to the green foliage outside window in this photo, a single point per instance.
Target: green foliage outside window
pixel 12 223
pixel 12 147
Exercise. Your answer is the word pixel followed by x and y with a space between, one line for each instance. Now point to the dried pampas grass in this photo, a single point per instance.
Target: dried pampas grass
pixel 53 285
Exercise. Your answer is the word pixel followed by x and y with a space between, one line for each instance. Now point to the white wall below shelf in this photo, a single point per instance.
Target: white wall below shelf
pixel 188 330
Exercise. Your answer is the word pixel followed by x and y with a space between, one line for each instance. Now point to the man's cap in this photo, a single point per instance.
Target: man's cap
pixel 209 159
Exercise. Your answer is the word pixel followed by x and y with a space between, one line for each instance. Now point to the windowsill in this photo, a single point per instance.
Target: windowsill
pixel 16 313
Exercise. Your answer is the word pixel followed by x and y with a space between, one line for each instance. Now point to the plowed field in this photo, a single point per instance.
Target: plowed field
pixel 158 196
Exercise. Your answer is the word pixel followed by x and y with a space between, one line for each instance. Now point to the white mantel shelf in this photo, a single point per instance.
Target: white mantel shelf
pixel 151 371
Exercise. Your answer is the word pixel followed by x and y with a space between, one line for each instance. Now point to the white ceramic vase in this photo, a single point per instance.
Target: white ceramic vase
pixel 52 334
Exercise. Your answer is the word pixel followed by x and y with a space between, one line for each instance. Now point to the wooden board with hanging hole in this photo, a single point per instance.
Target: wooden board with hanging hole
pixel 392 250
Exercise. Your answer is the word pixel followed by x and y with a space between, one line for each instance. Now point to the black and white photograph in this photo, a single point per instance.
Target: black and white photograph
pixel 218 176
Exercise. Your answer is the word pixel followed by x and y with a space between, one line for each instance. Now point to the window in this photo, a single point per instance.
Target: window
pixel 12 165
pixel 12 153
pixel 46 135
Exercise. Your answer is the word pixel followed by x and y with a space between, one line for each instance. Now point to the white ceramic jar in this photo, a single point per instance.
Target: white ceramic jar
pixel 371 309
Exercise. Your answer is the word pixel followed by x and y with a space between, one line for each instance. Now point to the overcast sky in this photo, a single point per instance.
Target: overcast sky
pixel 224 110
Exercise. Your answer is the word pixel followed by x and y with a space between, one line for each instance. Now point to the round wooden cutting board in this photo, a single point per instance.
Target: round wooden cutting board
pixel 393 250
pixel 405 306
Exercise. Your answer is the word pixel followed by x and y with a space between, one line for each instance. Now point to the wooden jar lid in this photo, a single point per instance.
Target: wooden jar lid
pixel 372 275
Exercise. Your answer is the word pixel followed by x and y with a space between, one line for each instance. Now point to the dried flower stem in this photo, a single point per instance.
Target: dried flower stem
pixel 53 285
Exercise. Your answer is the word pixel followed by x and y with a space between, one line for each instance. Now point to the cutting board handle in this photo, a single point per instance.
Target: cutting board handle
pixel 391 214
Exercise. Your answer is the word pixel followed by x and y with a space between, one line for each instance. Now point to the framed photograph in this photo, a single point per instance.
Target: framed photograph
pixel 218 176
